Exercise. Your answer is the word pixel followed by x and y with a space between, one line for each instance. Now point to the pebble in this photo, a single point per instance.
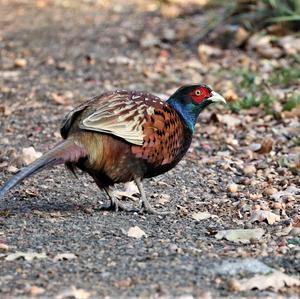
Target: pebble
pixel 249 170
pixel 277 205
pixel 12 169
pixel 4 141
pixel 3 247
pixel 20 62
pixel 234 285
pixel 270 191
pixel 295 231
pixel 291 198
pixel 232 188
pixel 36 291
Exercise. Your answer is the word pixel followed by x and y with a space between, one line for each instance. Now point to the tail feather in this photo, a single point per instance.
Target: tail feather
pixel 64 152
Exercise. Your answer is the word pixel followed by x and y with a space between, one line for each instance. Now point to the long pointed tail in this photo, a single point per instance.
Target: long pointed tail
pixel 64 152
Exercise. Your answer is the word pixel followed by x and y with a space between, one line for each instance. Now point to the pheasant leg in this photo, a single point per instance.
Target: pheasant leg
pixel 131 192
pixel 145 205
pixel 115 202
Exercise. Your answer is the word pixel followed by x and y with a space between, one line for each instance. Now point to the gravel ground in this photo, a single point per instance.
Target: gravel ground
pixel 54 54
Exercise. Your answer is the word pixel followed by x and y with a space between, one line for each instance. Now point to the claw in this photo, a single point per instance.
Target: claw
pixel 144 203
pixel 116 205
pixel 131 191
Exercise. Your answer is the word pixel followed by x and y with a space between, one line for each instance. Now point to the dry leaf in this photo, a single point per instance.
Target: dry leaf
pixel 6 110
pixel 205 52
pixel 29 155
pixel 136 232
pixel 203 215
pixel 73 292
pixel 240 235
pixel 229 120
pixel 291 190
pixel 295 112
pixel 27 256
pixel 59 99
pixel 65 256
pixel 262 215
pixel 265 147
pixel 275 280
pixel 163 198
pixel 12 169
pixel 291 44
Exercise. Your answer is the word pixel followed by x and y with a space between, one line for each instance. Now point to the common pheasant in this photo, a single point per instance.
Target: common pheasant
pixel 124 136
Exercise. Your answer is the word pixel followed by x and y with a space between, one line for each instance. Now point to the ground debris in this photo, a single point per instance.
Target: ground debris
pixel 275 280
pixel 262 215
pixel 27 256
pixel 73 292
pixel 136 232
pixel 240 235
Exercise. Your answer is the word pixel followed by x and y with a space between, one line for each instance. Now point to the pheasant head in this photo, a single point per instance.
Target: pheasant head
pixel 190 100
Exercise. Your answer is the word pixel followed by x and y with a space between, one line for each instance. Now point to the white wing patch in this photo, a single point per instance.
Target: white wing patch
pixel 121 119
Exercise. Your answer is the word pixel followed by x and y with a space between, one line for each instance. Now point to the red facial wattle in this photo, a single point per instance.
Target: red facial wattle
pixel 200 94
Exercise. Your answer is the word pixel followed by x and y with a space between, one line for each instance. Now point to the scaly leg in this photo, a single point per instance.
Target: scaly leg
pixel 145 205
pixel 131 192
pixel 115 203
pixel 114 196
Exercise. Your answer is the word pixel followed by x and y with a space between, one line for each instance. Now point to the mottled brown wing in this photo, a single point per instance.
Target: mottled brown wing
pixel 163 137
pixel 71 117
pixel 123 114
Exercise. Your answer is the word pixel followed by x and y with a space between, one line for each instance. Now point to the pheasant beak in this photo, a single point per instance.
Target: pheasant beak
pixel 215 97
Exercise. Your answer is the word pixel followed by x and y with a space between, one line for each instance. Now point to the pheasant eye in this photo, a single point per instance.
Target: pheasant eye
pixel 198 92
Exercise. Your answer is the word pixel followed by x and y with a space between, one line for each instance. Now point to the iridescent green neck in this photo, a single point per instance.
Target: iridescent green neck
pixel 188 111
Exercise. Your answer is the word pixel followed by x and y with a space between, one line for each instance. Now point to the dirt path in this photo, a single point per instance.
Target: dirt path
pixel 55 55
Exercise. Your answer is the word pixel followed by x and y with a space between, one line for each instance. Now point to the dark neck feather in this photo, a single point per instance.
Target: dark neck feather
pixel 189 112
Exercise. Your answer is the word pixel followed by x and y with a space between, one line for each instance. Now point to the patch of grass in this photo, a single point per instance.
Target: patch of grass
pixel 292 102
pixel 285 76
pixel 259 92
pixel 255 14
pixel 252 100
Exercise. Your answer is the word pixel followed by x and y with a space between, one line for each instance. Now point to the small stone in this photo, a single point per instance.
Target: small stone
pixel 205 52
pixel 20 62
pixel 4 140
pixel 29 154
pixel 249 170
pixel 170 11
pixel 231 96
pixel 173 248
pixel 234 285
pixel 291 198
pixel 149 40
pixel 232 188
pixel 270 191
pixel 277 205
pixel 36 291
pixel 124 283
pixel 182 210
pixel 295 231
pixel 3 247
pixel 168 34
pixel 12 169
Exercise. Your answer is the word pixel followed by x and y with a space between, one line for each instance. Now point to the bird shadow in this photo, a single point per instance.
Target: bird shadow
pixel 42 206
